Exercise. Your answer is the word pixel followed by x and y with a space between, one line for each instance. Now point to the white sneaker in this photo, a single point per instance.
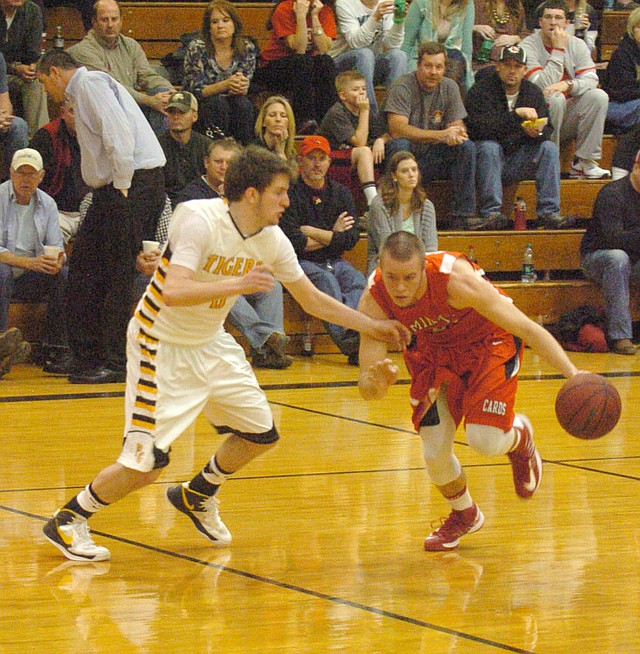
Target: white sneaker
pixel 69 532
pixel 202 510
pixel 587 169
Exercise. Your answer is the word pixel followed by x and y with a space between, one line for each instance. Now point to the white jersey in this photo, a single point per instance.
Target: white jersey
pixel 204 238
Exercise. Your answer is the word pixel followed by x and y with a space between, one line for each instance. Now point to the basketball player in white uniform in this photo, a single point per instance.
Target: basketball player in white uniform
pixel 182 362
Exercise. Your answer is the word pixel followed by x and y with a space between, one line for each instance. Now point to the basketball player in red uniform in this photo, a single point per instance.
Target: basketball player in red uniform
pixel 464 357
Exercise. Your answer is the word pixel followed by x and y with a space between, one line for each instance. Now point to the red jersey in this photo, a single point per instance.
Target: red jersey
pixel 283 21
pixel 457 346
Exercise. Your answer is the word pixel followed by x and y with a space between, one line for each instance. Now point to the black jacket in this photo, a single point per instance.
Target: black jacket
pixel 489 118
pixel 621 77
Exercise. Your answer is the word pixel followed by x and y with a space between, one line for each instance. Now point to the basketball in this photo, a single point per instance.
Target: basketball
pixel 588 406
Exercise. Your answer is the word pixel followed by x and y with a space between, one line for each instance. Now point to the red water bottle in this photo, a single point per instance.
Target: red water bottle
pixel 520 214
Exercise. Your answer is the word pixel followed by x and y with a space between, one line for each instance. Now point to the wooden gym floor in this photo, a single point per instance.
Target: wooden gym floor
pixel 328 529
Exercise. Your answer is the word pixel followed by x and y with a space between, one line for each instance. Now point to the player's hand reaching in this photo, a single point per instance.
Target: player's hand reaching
pixel 392 332
pixel 258 280
pixel 383 372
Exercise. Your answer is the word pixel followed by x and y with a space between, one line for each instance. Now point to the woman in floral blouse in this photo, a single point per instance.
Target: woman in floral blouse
pixel 218 69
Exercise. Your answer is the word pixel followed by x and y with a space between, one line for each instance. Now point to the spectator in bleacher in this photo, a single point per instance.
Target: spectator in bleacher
pixel 503 108
pixel 57 142
pixel 28 223
pixel 13 129
pixel 611 253
pixel 369 40
pixel 218 68
pixel 22 29
pixel 449 22
pixel 184 148
pixel 295 61
pixel 561 65
pixel 498 24
pixel 104 48
pixel 258 316
pixel 401 205
pixel 321 224
pixel 354 130
pixel 624 154
pixel 275 129
pixel 425 116
pixel 587 30
pixel 122 161
pixel 621 79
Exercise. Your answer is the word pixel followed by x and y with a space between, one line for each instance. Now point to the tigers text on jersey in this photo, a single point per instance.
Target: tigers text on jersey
pixel 204 238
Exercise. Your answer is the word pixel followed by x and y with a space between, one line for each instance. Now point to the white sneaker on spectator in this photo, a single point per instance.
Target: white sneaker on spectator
pixel 587 169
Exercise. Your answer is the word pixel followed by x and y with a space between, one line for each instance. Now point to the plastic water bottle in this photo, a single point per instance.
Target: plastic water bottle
pixel 58 39
pixel 307 340
pixel 528 269
pixel 520 214
pixel 472 254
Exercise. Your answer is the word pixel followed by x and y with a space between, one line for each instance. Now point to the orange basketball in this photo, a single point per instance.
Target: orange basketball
pixel 588 406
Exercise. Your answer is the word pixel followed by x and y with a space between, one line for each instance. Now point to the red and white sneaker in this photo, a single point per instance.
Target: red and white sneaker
pixel 459 523
pixel 526 461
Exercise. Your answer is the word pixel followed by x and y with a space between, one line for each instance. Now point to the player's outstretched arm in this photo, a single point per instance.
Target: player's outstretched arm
pixel 467 289
pixel 326 308
pixel 377 372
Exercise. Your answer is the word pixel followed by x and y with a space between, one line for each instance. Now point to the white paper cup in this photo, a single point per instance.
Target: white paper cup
pixel 52 251
pixel 150 246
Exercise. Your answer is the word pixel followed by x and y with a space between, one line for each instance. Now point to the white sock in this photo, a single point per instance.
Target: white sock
pixel 370 192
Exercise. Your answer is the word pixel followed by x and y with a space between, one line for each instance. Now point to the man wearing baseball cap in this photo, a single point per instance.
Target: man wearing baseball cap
pixel 321 224
pixel 508 120
pixel 184 148
pixel 28 224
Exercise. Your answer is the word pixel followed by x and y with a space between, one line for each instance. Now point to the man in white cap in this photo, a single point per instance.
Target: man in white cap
pixel 28 224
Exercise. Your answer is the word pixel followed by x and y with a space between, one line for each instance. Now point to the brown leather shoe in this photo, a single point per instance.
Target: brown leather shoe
pixel 623 346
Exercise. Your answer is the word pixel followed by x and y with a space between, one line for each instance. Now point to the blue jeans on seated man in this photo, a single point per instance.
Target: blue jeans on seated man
pixel 32 287
pixel 613 271
pixel 624 115
pixel 258 315
pixel 341 281
pixel 440 161
pixel 377 69
pixel 538 160
pixel 15 138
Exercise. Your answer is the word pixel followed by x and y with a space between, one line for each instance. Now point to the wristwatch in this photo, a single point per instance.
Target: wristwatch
pixel 319 31
pixel 570 84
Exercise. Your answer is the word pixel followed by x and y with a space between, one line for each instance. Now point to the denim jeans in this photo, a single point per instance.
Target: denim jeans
pixel 624 115
pixel 258 315
pixel 539 160
pixel 613 272
pixel 343 282
pixel 380 69
pixel 15 138
pixel 34 287
pixel 440 161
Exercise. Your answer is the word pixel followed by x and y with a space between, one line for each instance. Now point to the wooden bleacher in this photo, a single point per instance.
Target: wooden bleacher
pixel 158 26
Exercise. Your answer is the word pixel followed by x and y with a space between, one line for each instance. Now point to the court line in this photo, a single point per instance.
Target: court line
pixel 296 589
pixel 277 387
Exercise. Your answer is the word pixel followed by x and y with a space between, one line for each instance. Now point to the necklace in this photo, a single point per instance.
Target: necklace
pixel 501 19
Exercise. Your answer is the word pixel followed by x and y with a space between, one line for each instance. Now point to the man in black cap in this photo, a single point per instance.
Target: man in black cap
pixel 184 148
pixel 508 120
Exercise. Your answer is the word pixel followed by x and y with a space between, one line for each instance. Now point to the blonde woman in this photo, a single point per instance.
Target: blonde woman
pixel 401 205
pixel 275 128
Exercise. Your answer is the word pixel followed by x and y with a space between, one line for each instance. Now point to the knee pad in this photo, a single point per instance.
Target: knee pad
pixel 489 440
pixel 264 438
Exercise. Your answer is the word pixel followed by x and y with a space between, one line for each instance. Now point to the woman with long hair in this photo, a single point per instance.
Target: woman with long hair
pixel 275 128
pixel 498 24
pixel 401 205
pixel 218 69
pixel 449 22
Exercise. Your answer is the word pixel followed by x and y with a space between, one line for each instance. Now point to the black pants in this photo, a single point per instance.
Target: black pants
pixel 102 268
pixel 309 82
pixel 233 114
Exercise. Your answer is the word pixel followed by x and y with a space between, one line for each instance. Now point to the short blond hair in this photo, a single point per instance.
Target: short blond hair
pixel 633 21
pixel 345 78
